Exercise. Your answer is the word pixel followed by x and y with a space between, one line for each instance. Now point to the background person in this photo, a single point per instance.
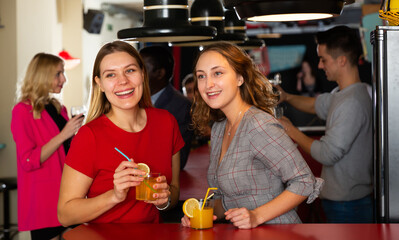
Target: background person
pixel 345 151
pixel 307 84
pixel 160 63
pixel 199 139
pixel 260 174
pixel 42 133
pixel 188 87
pixel 97 182
pixel 306 80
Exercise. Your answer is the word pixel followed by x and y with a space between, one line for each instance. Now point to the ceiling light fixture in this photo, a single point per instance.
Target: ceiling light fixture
pixel 166 21
pixel 234 25
pixel 211 13
pixel 286 10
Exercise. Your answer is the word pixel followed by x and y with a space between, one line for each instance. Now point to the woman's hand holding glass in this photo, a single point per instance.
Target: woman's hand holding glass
pixel 72 126
pixel 126 176
pixel 78 110
pixel 163 192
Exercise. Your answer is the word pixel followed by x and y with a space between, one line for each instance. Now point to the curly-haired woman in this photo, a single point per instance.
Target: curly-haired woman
pixel 260 175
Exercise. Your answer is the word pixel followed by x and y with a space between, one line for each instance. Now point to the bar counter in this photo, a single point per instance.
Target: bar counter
pixel 111 231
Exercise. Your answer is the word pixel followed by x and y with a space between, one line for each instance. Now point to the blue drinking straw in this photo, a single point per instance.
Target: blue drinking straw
pixel 123 154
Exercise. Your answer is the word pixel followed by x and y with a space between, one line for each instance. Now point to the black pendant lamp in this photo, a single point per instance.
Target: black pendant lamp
pixel 234 25
pixel 211 13
pixel 166 21
pixel 285 10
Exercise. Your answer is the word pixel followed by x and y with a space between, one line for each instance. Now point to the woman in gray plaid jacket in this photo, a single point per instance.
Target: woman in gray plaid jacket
pixel 260 174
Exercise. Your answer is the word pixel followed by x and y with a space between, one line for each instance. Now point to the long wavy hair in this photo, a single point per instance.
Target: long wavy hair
pixel 256 89
pixel 37 83
pixel 99 103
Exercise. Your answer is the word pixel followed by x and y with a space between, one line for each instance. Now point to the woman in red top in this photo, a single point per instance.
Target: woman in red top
pixel 97 181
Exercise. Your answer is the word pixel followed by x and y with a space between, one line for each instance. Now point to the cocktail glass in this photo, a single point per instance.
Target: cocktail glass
pixel 203 217
pixel 145 190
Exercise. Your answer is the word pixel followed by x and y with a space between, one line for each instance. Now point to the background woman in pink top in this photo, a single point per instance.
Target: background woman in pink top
pixel 42 132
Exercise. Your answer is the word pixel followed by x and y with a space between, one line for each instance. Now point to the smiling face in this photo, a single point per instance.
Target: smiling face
pixel 121 80
pixel 218 83
pixel 59 79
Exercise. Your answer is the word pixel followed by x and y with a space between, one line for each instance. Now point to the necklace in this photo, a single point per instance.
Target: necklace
pixel 235 121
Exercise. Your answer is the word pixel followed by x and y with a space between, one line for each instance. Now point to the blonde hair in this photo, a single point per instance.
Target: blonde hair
pixel 256 89
pixel 37 83
pixel 99 103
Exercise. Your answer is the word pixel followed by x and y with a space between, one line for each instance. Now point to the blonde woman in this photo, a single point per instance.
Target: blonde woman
pixel 260 175
pixel 42 133
pixel 98 182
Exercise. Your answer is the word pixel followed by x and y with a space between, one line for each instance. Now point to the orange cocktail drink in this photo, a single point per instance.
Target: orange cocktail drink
pixel 203 217
pixel 145 190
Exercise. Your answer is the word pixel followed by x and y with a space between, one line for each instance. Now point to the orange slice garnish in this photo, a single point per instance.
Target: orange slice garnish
pixel 189 205
pixel 143 167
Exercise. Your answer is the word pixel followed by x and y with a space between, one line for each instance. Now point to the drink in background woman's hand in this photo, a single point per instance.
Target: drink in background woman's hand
pixel 76 110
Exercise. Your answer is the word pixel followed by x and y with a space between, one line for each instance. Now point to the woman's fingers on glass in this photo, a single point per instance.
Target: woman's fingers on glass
pixel 125 177
pixel 78 116
pixel 161 179
pixel 76 110
pixel 160 198
pixel 185 221
pixel 161 186
pixel 139 173
pixel 132 166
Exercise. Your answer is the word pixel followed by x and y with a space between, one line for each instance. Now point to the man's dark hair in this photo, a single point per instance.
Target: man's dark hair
pixel 341 40
pixel 160 57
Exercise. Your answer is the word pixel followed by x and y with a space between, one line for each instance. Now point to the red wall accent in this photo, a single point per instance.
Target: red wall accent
pixel 176 73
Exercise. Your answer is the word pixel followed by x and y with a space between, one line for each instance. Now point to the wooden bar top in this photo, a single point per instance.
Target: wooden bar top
pixel 108 231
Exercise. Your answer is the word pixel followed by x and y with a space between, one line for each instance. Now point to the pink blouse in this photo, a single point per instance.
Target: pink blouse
pixel 38 183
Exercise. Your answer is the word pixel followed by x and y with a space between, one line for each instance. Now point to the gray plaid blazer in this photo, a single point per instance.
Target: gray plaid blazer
pixel 260 163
